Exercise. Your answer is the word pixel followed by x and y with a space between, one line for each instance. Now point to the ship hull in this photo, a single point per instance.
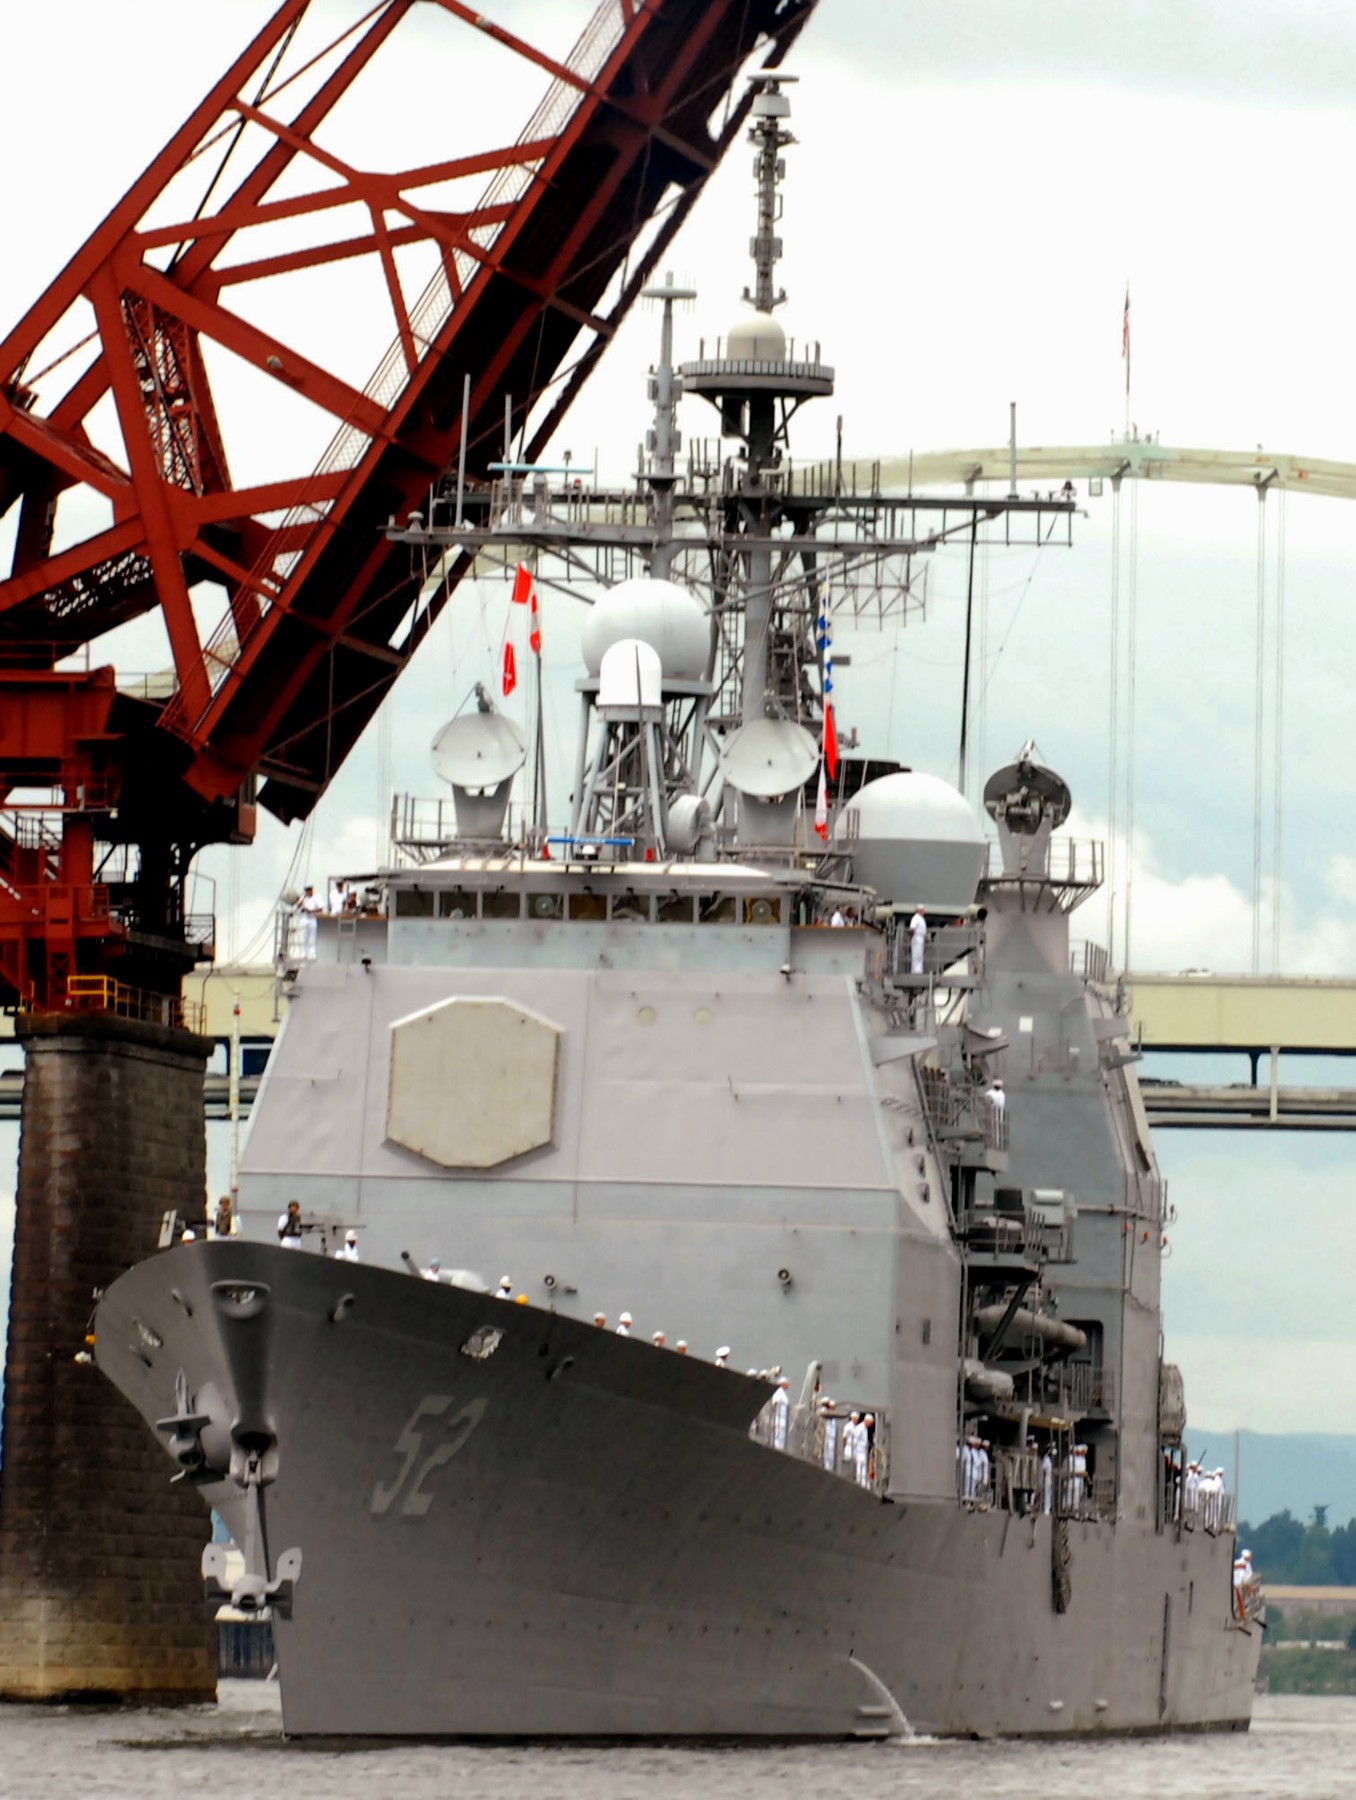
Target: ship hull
pixel 575 1535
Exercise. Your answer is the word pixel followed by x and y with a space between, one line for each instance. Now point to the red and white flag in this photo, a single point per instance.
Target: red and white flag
pixel 534 627
pixel 830 742
pixel 822 808
pixel 510 670
pixel 523 585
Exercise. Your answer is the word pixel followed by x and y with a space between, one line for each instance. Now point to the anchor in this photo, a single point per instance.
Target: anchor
pixel 253 1466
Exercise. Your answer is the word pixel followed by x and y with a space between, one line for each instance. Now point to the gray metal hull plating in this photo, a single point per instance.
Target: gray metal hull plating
pixel 576 1536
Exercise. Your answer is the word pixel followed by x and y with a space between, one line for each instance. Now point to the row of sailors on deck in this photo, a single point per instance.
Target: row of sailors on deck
pixel 1203 1493
pixel 975 1471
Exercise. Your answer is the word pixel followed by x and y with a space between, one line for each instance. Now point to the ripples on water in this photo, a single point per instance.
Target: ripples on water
pixel 1298 1749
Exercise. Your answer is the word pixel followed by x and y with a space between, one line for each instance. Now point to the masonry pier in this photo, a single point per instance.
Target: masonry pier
pixel 101 1595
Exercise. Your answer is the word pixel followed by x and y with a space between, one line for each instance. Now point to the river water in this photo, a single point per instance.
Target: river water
pixel 1298 1749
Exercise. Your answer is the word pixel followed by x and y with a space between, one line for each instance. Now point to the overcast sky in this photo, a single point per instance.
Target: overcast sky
pixel 971 190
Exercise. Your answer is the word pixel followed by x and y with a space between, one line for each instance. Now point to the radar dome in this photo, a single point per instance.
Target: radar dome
pixel 756 337
pixel 916 840
pixel 673 622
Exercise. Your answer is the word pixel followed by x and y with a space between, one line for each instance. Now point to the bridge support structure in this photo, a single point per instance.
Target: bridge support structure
pixel 100 1587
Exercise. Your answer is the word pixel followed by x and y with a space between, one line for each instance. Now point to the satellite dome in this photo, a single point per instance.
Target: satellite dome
pixel 756 337
pixel 671 620
pixel 916 840
pixel 629 679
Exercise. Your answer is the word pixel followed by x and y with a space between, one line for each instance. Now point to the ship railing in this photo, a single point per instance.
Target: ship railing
pixel 952 954
pixel 1091 961
pixel 1000 1231
pixel 816 1435
pixel 959 1109
pixel 1212 1510
pixel 1077 1495
pixel 1073 869
pixel 1086 1388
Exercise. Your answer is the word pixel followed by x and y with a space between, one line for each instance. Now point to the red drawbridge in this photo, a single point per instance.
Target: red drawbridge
pixel 118 458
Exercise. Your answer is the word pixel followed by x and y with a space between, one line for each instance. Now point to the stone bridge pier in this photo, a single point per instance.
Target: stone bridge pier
pixel 100 1591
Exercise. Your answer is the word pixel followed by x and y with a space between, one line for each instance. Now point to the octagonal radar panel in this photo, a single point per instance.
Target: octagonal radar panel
pixel 478 750
pixel 673 622
pixel 769 757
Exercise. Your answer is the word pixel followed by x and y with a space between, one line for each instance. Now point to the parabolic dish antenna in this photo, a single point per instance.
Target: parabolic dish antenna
pixel 1024 795
pixel 478 750
pixel 768 757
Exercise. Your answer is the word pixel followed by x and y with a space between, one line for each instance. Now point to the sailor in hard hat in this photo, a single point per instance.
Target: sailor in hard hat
pixel 781 1408
pixel 918 937
pixel 624 1325
pixel 348 1250
pixel 289 1226
pixel 434 1271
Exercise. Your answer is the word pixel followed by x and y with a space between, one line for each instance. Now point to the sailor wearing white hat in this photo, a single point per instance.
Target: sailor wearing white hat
pixel 723 1357
pixel 781 1407
pixel 624 1325
pixel 830 1419
pixel 348 1251
pixel 505 1288
pixel 864 1435
pixel 918 937
pixel 850 1443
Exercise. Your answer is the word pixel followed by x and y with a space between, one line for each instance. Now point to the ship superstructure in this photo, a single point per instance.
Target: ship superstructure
pixel 730 1037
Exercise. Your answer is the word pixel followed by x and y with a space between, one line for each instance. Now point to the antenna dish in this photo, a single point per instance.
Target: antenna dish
pixel 769 757
pixel 1025 795
pixel 478 750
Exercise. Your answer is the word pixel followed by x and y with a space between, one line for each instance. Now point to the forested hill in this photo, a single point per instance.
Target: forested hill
pixel 1286 1552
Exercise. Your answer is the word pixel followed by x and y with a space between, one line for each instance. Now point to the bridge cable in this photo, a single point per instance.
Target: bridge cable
pixel 1258 726
pixel 1113 713
pixel 1278 737
pixel 1131 634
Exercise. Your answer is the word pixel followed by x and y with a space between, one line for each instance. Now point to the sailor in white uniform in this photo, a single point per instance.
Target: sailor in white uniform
pixel 505 1288
pixel 864 1431
pixel 723 1357
pixel 434 1271
pixel 1047 1481
pixel 624 1325
pixel 850 1443
pixel 348 1250
pixel 918 937
pixel 830 1433
pixel 308 909
pixel 995 1096
pixel 781 1408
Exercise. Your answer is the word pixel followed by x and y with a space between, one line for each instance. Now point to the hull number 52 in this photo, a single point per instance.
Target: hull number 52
pixel 450 1436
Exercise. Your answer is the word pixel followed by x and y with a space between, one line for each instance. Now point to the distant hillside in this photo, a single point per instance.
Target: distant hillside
pixel 1291 1473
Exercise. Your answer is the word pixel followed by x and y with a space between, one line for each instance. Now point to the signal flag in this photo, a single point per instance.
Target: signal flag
pixel 522 585
pixel 510 670
pixel 822 808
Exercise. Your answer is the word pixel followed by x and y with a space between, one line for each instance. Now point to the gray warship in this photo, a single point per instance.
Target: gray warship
pixel 781 1049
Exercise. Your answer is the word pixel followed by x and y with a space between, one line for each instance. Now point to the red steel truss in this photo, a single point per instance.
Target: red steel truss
pixel 529 283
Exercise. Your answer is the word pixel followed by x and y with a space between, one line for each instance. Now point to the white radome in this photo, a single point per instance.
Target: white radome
pixel 916 840
pixel 674 622
pixel 910 805
pixel 757 337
